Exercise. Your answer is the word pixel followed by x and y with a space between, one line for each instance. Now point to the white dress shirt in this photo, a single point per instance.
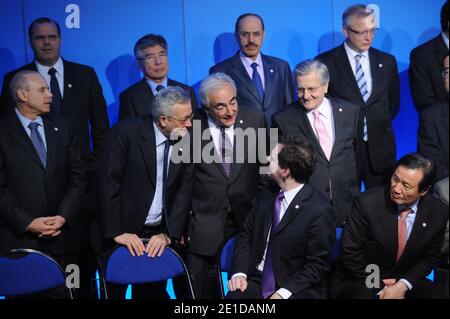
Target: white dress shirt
pixel 153 85
pixel 365 64
pixel 59 67
pixel 247 62
pixel 216 135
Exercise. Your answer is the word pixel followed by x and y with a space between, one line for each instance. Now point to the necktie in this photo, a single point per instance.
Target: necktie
pixel 362 84
pixel 226 151
pixel 159 88
pixel 322 134
pixel 268 280
pixel 402 231
pixel 256 79
pixel 38 143
pixel 165 166
pixel 54 88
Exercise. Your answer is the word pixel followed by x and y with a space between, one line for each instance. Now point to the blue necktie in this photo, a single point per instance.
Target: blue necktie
pixel 268 280
pixel 256 79
pixel 56 92
pixel 159 88
pixel 362 84
pixel 38 143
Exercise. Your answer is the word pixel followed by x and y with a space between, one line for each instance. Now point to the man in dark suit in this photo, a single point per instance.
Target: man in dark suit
pixel 283 251
pixel 331 126
pixel 41 175
pixel 226 176
pixel 144 194
pixel 369 78
pixel 393 238
pixel 264 82
pixel 427 87
pixel 78 96
pixel 151 52
pixel 433 130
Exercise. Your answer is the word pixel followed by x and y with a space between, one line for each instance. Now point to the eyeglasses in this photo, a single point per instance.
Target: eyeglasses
pixel 151 58
pixel 182 121
pixel 362 34
pixel 229 106
pixel 445 73
pixel 311 90
pixel 246 34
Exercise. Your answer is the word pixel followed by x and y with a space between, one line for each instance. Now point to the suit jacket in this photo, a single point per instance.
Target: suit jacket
pixel 425 79
pixel 340 169
pixel 379 108
pixel 441 192
pixel 136 100
pixel 214 195
pixel 433 137
pixel 301 244
pixel 83 103
pixel 278 91
pixel 128 181
pixel 28 190
pixel 370 237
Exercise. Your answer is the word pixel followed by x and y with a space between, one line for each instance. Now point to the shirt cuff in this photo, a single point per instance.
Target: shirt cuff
pixel 284 293
pixel 239 274
pixel 407 283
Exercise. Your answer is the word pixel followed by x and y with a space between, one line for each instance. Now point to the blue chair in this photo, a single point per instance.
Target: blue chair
pixel 124 269
pixel 225 257
pixel 27 271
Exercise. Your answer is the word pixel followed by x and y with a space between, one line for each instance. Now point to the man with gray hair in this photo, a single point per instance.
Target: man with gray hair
pixel 369 78
pixel 330 124
pixel 225 185
pixel 143 191
pixel 151 53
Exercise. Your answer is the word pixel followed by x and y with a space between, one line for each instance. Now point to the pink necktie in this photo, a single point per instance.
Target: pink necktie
pixel 324 138
pixel 402 231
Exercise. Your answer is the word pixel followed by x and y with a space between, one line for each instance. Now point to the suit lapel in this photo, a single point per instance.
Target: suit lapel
pixel 51 137
pixel 295 207
pixel 445 120
pixel 148 149
pixel 269 79
pixel 345 70
pixel 241 124
pixel 338 126
pixel 389 221
pixel 376 70
pixel 241 75
pixel 18 132
pixel 145 95
pixel 69 82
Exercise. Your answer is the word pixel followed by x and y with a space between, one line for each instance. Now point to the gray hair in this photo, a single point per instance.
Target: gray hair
pixel 163 101
pixel 149 41
pixel 214 82
pixel 357 11
pixel 308 66
pixel 20 81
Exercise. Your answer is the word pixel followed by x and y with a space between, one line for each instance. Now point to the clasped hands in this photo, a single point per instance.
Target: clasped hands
pixel 47 227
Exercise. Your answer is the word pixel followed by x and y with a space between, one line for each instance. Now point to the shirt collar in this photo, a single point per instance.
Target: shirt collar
pixel 324 108
pixel 213 124
pixel 58 66
pixel 444 37
pixel 26 121
pixel 153 84
pixel 352 53
pixel 413 207
pixel 290 195
pixel 160 138
pixel 248 62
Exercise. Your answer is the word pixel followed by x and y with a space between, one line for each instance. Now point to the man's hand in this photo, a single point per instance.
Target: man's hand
pixel 396 291
pixel 275 296
pixel 57 222
pixel 237 283
pixel 156 245
pixel 44 226
pixel 133 242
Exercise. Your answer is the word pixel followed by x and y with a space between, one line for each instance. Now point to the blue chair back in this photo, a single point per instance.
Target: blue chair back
pixel 27 271
pixel 225 258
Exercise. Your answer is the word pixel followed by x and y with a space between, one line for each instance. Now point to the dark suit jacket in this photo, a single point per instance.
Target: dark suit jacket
pixel 128 181
pixel 425 79
pixel 214 196
pixel 341 168
pixel 301 243
pixel 83 103
pixel 380 107
pixel 370 237
pixel 28 190
pixel 136 100
pixel 433 137
pixel 279 87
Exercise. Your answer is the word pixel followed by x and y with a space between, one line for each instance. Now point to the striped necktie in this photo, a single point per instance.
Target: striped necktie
pixel 362 85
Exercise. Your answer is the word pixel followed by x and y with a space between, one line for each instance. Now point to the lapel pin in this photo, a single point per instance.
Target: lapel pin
pixel 241 121
pixel 380 65
pixel 271 70
pixel 340 109
pixel 56 129
pixel 424 224
pixel 297 206
pixel 181 149
pixel 69 85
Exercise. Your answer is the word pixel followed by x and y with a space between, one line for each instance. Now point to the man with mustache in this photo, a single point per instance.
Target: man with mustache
pixel 264 82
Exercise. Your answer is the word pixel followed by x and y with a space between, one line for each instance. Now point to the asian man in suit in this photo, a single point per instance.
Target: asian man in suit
pixel 331 126
pixel 151 53
pixel 367 77
pixel 42 178
pixel 283 250
pixel 78 96
pixel 264 82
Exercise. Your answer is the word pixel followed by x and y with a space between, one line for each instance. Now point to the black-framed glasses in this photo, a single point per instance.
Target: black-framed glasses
pixel 362 34
pixel 151 58
pixel 445 73
pixel 182 121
